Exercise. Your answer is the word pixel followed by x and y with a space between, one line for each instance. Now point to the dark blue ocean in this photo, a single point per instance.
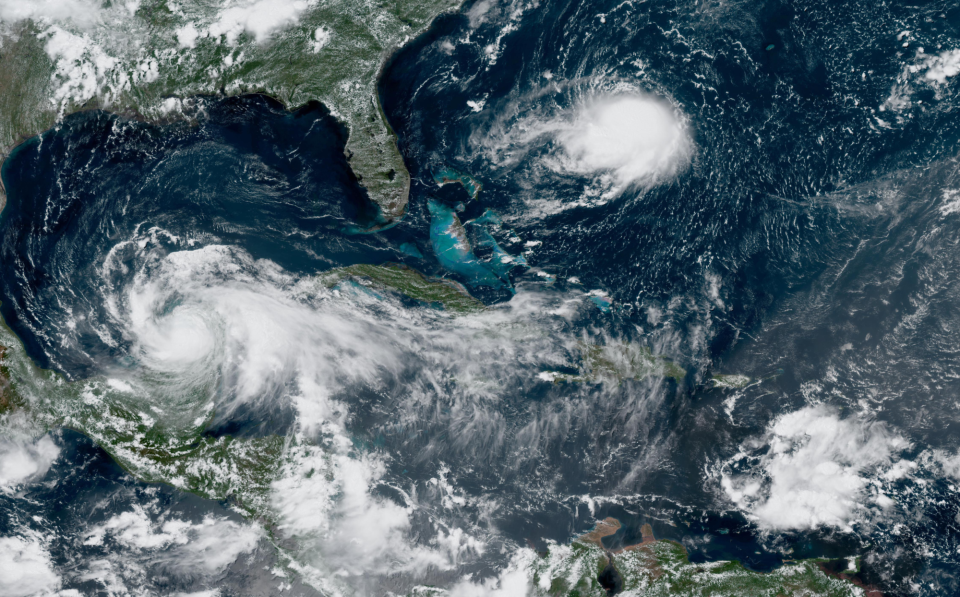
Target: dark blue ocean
pixel 807 242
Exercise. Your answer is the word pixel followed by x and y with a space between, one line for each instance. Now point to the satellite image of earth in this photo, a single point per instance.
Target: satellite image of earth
pixel 506 298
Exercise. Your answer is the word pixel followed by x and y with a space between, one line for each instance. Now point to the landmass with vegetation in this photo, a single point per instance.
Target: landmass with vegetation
pixel 655 567
pixel 617 362
pixel 145 58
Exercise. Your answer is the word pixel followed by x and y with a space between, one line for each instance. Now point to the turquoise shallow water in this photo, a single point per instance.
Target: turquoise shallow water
pixel 799 268
pixel 454 251
pixel 806 246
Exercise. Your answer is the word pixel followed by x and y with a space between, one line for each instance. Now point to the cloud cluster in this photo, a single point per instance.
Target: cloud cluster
pixel 23 460
pixel 26 567
pixel 221 327
pixel 514 580
pixel 635 139
pixel 176 546
pixel 941 67
pixel 607 137
pixel 811 469
pixel 81 12
pixel 261 18
pixel 99 49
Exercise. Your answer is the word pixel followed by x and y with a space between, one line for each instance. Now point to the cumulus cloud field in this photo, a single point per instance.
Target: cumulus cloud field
pixel 101 50
pixel 27 569
pixel 812 469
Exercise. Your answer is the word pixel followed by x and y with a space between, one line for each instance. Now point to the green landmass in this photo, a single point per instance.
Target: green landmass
pixel 166 445
pixel 145 67
pixel 170 446
pixel 135 64
pixel 655 568
pixel 157 434
pixel 409 282
pixel 159 440
pixel 730 382
pixel 10 399
pixel 617 362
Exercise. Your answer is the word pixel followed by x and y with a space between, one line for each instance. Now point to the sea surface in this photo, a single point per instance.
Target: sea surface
pixel 765 195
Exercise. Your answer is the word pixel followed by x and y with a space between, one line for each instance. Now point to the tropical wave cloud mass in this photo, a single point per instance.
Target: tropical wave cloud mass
pixel 634 139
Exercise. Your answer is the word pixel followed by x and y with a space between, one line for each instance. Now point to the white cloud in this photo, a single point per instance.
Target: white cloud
pixel 635 138
pixel 324 501
pixel 99 52
pixel 943 66
pixel 111 576
pixel 935 70
pixel 810 470
pixel 23 460
pixel 176 545
pixel 262 18
pixel 616 136
pixel 132 528
pixel 26 567
pixel 81 12
pixel 187 36
pixel 321 37
pixel 83 68
pixel 951 202
pixel 513 581
pixel 214 544
pixel 276 336
pixel 478 12
pixel 950 463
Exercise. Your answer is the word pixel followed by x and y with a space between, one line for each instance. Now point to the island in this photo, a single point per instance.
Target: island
pixel 657 567
pixel 617 362
pixel 406 281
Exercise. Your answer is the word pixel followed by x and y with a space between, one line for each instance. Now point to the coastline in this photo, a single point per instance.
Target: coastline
pixel 663 567
pixel 281 69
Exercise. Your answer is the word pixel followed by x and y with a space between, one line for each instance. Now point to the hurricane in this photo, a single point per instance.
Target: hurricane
pixel 490 298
